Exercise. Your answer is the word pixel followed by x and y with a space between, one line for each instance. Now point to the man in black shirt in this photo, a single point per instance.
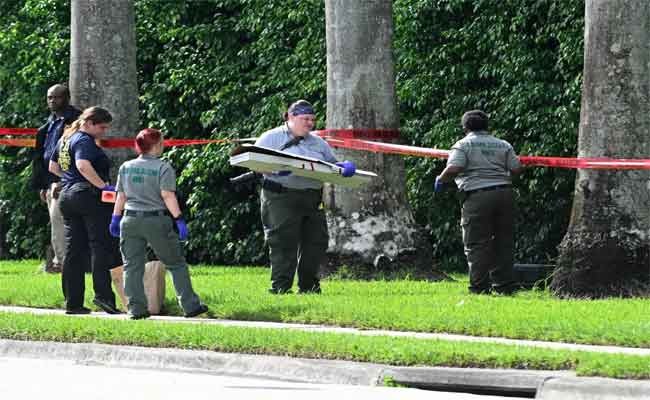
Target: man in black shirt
pixel 62 114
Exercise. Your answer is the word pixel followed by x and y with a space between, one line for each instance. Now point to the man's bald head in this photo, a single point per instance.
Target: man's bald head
pixel 58 98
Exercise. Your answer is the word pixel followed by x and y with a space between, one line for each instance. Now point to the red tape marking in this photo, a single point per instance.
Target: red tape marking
pixel 369 134
pixel 18 131
pixel 18 142
pixel 121 142
pixel 378 147
pixel 350 139
pixel 126 143
pixel 586 163
pixel 557 162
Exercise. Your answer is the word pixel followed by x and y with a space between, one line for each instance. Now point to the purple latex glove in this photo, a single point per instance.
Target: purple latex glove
pixel 438 186
pixel 114 227
pixel 109 188
pixel 183 232
pixel 349 169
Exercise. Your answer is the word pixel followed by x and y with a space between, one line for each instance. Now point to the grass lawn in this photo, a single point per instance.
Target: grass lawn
pixel 387 350
pixel 240 293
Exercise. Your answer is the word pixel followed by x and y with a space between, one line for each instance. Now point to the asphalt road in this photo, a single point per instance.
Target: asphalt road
pixel 25 379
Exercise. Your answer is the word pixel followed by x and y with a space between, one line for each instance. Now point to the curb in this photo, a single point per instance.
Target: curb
pixel 593 389
pixel 230 364
pixel 284 368
pixel 545 385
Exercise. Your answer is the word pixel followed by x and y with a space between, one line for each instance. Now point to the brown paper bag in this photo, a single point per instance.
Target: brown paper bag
pixel 154 285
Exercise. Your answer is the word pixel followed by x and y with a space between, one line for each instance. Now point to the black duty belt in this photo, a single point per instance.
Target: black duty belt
pixel 78 186
pixel 487 189
pixel 156 213
pixel 273 186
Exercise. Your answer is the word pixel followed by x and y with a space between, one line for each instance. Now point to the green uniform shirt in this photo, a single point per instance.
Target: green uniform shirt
pixel 486 161
pixel 142 179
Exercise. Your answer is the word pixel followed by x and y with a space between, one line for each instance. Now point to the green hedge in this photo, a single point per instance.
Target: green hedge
pixel 229 68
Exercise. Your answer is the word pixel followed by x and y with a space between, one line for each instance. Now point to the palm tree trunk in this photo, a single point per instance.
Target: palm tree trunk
pixel 103 63
pixel 605 250
pixel 373 225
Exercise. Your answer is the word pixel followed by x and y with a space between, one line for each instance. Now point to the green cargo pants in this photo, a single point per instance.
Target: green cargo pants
pixel 158 231
pixel 296 232
pixel 488 236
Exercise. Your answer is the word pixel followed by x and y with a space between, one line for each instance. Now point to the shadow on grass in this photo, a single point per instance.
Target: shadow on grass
pixel 30 271
pixel 271 313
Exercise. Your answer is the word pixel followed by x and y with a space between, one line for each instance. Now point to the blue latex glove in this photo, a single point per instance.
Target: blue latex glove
pixel 114 227
pixel 439 185
pixel 283 173
pixel 183 232
pixel 349 169
pixel 109 188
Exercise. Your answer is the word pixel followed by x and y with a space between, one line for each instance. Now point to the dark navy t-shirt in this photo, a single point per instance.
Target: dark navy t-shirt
pixel 54 129
pixel 80 146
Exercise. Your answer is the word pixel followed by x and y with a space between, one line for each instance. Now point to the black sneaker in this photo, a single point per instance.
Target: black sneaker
pixel 202 309
pixel 77 311
pixel 474 290
pixel 144 315
pixel 107 307
pixel 508 290
pixel 312 290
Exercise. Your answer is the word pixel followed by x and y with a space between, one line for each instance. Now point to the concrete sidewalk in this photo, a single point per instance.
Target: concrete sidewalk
pixel 354 331
pixel 549 385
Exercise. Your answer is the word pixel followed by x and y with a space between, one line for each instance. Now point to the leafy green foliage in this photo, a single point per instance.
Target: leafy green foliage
pixel 229 68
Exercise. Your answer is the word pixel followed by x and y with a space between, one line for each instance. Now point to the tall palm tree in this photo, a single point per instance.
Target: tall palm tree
pixel 374 223
pixel 605 251
pixel 103 64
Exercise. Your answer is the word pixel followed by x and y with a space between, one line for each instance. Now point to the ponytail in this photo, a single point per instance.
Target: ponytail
pixel 96 115
pixel 72 128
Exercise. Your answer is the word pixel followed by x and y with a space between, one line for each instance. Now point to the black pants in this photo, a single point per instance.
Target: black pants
pixel 487 220
pixel 86 221
pixel 295 229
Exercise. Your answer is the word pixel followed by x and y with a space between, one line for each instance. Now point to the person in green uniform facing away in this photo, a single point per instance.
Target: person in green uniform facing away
pixel 483 166
pixel 145 212
pixel 294 221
